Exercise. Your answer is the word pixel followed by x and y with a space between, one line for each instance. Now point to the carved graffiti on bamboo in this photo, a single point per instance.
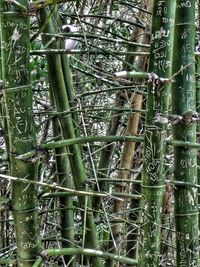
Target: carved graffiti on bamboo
pixel 160 39
pixel 185 240
pixel 191 199
pixel 21 123
pixel 29 244
pixel 188 163
pixel 153 156
pixel 15 57
pixel 24 198
pixel 188 98
pixel 12 44
pixel 20 114
pixel 12 24
pixel 184 4
pixel 162 9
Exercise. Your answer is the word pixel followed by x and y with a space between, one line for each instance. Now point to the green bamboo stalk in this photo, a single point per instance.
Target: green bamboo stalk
pixel 61 100
pixel 114 195
pixel 155 132
pixel 184 144
pixel 91 139
pixel 198 101
pixel 68 191
pixel 38 262
pixel 90 252
pixel 17 94
pixel 83 52
pixel 66 202
pixel 185 159
pixel 69 89
pixel 117 180
pixel 65 180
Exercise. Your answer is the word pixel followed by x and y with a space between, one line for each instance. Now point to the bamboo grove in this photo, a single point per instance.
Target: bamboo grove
pixel 99 145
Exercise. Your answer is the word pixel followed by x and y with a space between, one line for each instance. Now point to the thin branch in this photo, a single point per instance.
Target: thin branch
pixel 54 186
pixel 88 252
pixel 90 52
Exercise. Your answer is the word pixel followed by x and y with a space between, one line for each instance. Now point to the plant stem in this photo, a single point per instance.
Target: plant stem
pixel 17 95
pixel 153 183
pixel 185 158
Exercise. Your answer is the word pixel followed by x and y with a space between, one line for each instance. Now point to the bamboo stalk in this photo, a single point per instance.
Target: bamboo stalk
pixel 90 252
pixel 67 190
pixel 91 139
pixel 82 52
pixel 17 94
pixel 115 195
pixel 65 180
pixel 198 125
pixel 62 103
pixel 155 133
pixel 185 159
pixel 66 202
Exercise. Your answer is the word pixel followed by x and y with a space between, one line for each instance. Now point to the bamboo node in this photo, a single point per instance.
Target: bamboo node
pixel 187 118
pixel 155 80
